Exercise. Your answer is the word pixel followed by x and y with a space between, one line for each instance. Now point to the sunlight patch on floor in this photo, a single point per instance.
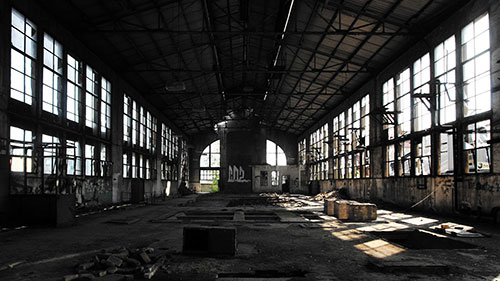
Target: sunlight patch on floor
pixel 379 248
pixel 392 226
pixel 419 221
pixel 349 235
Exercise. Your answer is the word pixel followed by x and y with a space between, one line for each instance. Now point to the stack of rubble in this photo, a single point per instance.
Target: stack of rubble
pixel 119 264
pixel 326 195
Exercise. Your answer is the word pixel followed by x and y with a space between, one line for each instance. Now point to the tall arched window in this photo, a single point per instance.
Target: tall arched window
pixel 275 156
pixel 210 163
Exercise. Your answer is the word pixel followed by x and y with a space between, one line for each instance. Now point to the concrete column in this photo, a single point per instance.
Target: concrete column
pixel 157 159
pixel 4 98
pixel 117 139
pixel 376 131
pixel 495 82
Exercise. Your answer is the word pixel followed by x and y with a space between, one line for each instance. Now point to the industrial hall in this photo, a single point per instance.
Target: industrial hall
pixel 249 140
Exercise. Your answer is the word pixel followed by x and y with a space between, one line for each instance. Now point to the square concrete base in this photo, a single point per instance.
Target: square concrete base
pixel 355 211
pixel 214 241
pixel 330 207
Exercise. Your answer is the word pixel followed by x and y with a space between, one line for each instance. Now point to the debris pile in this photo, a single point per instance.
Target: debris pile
pixel 335 194
pixel 119 264
pixel 271 199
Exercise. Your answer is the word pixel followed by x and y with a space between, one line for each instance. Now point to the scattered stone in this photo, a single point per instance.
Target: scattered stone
pixel 112 269
pixel 119 264
pixel 11 265
pixel 133 262
pixel 144 257
pixel 101 273
pixel 89 276
pixel 71 277
pixel 115 260
pixel 86 266
pixel 149 272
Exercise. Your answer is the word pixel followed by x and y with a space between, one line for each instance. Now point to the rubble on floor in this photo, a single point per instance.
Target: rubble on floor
pixel 119 264
pixel 334 194
pixel 271 199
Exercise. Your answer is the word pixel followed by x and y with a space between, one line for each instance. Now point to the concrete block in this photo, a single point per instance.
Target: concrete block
pixel 329 207
pixel 355 211
pixel 209 241
pixel 363 212
pixel 144 257
pixel 341 209
pixel 114 260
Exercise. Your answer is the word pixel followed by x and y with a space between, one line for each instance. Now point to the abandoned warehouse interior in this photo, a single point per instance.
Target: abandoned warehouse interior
pixel 249 140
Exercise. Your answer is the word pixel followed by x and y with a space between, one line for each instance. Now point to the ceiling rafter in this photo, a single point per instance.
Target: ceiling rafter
pixel 159 50
pixel 281 79
pixel 127 38
pixel 360 46
pixel 318 44
pixel 393 7
pixel 215 51
pixel 198 58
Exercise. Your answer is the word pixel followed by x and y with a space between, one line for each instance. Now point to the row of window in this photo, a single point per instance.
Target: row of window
pixel 419 98
pixel 140 132
pixel 76 92
pixel 318 153
pixel 65 80
pixel 169 143
pixel 351 138
pixel 410 102
pixel 139 125
pixel 59 157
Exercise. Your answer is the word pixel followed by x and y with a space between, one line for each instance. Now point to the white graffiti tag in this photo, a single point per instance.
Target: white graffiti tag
pixel 237 174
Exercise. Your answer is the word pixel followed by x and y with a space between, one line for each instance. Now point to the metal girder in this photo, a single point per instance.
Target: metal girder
pixel 360 46
pixel 208 21
pixel 134 11
pixel 162 18
pixel 311 58
pixel 353 12
pixel 247 94
pixel 252 33
pixel 281 79
pixel 198 55
pixel 224 71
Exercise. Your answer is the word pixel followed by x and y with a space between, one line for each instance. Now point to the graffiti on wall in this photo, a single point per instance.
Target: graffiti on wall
pixel 237 174
pixel 92 191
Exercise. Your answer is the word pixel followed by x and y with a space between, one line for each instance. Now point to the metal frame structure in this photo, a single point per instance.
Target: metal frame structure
pixel 289 62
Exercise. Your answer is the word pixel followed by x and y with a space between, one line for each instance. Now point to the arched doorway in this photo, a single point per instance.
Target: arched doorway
pixel 275 156
pixel 210 167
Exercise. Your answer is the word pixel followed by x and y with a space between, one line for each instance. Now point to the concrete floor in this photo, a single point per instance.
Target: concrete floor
pixel 310 246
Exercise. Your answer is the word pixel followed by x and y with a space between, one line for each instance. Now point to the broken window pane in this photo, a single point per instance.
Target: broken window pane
pixel 423 156
pixel 446 153
pixel 477 148
pixel 389 161
pixel 404 157
pixel 73 158
pixel 388 104
pixel 21 145
pixel 51 147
